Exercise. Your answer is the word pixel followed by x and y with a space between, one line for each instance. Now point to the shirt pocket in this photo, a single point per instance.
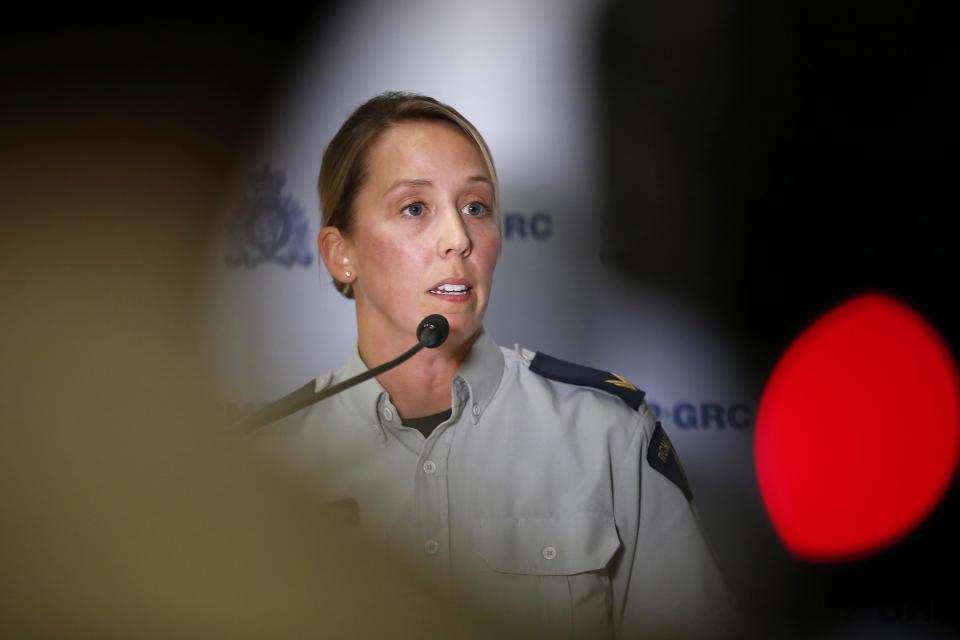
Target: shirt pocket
pixel 551 571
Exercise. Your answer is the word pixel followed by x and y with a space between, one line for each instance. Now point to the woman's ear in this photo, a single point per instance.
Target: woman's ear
pixel 335 251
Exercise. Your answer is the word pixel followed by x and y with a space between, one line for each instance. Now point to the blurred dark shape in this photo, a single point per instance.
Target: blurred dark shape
pixel 766 161
pixel 774 159
pixel 126 513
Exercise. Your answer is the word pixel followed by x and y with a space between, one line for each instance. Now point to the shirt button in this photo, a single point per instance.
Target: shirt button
pixel 431 547
pixel 549 553
pixel 429 467
pixel 476 410
pixel 387 414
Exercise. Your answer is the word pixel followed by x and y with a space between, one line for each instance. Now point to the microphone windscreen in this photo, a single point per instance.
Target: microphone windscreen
pixel 433 331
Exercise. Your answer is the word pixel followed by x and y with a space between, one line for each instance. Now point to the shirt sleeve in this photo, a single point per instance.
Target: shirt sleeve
pixel 665 580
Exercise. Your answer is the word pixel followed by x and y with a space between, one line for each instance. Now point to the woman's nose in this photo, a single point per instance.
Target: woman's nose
pixel 453 236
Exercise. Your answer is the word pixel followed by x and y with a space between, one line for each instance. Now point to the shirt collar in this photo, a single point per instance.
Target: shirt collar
pixel 480 372
pixel 365 398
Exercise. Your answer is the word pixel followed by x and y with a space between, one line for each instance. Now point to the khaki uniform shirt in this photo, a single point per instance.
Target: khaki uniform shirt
pixel 534 500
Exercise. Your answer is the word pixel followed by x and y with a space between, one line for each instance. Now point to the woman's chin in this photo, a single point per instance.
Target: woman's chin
pixel 462 329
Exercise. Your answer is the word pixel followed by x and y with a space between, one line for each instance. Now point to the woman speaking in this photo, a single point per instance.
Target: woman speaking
pixel 534 489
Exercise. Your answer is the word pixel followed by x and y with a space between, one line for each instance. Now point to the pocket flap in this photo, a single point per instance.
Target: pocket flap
pixel 547 546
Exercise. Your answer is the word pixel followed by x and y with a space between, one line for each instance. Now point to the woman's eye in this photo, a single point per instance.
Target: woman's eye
pixel 414 209
pixel 474 209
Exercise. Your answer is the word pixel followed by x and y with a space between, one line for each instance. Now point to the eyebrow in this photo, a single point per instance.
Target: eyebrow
pixel 420 182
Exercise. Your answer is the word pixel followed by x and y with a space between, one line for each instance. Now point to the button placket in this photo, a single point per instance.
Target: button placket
pixel 432 506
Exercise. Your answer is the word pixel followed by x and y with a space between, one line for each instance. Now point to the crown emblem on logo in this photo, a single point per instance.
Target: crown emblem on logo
pixel 268 226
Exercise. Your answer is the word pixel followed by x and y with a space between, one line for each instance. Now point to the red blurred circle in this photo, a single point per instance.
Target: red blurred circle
pixel 857 434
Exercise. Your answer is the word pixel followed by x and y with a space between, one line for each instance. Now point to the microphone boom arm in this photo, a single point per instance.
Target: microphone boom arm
pixel 306 396
pixel 431 333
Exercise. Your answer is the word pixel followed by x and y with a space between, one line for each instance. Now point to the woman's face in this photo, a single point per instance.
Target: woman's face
pixel 425 237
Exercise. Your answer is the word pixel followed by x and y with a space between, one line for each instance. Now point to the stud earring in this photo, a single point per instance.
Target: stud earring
pixel 347 273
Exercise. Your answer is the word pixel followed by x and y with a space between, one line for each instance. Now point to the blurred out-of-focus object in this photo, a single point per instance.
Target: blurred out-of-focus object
pixel 126 512
pixel 844 468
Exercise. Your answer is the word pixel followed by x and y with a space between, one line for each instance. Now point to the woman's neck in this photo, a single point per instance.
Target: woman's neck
pixel 421 385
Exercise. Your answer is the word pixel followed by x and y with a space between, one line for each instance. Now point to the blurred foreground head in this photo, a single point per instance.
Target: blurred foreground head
pixel 125 511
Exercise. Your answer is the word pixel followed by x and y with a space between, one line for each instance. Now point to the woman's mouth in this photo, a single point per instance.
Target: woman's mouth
pixel 451 289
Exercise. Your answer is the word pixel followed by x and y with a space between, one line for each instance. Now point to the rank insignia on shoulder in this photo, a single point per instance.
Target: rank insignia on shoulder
pixel 663 457
pixel 563 371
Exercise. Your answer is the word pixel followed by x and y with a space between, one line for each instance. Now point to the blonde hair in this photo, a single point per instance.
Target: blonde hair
pixel 343 170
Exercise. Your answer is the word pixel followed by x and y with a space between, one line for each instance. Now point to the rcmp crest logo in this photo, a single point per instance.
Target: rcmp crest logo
pixel 268 226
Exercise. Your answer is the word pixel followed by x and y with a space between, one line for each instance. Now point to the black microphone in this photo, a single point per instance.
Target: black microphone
pixel 431 333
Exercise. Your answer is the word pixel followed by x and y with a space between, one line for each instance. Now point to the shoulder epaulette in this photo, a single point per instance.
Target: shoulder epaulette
pixel 569 372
